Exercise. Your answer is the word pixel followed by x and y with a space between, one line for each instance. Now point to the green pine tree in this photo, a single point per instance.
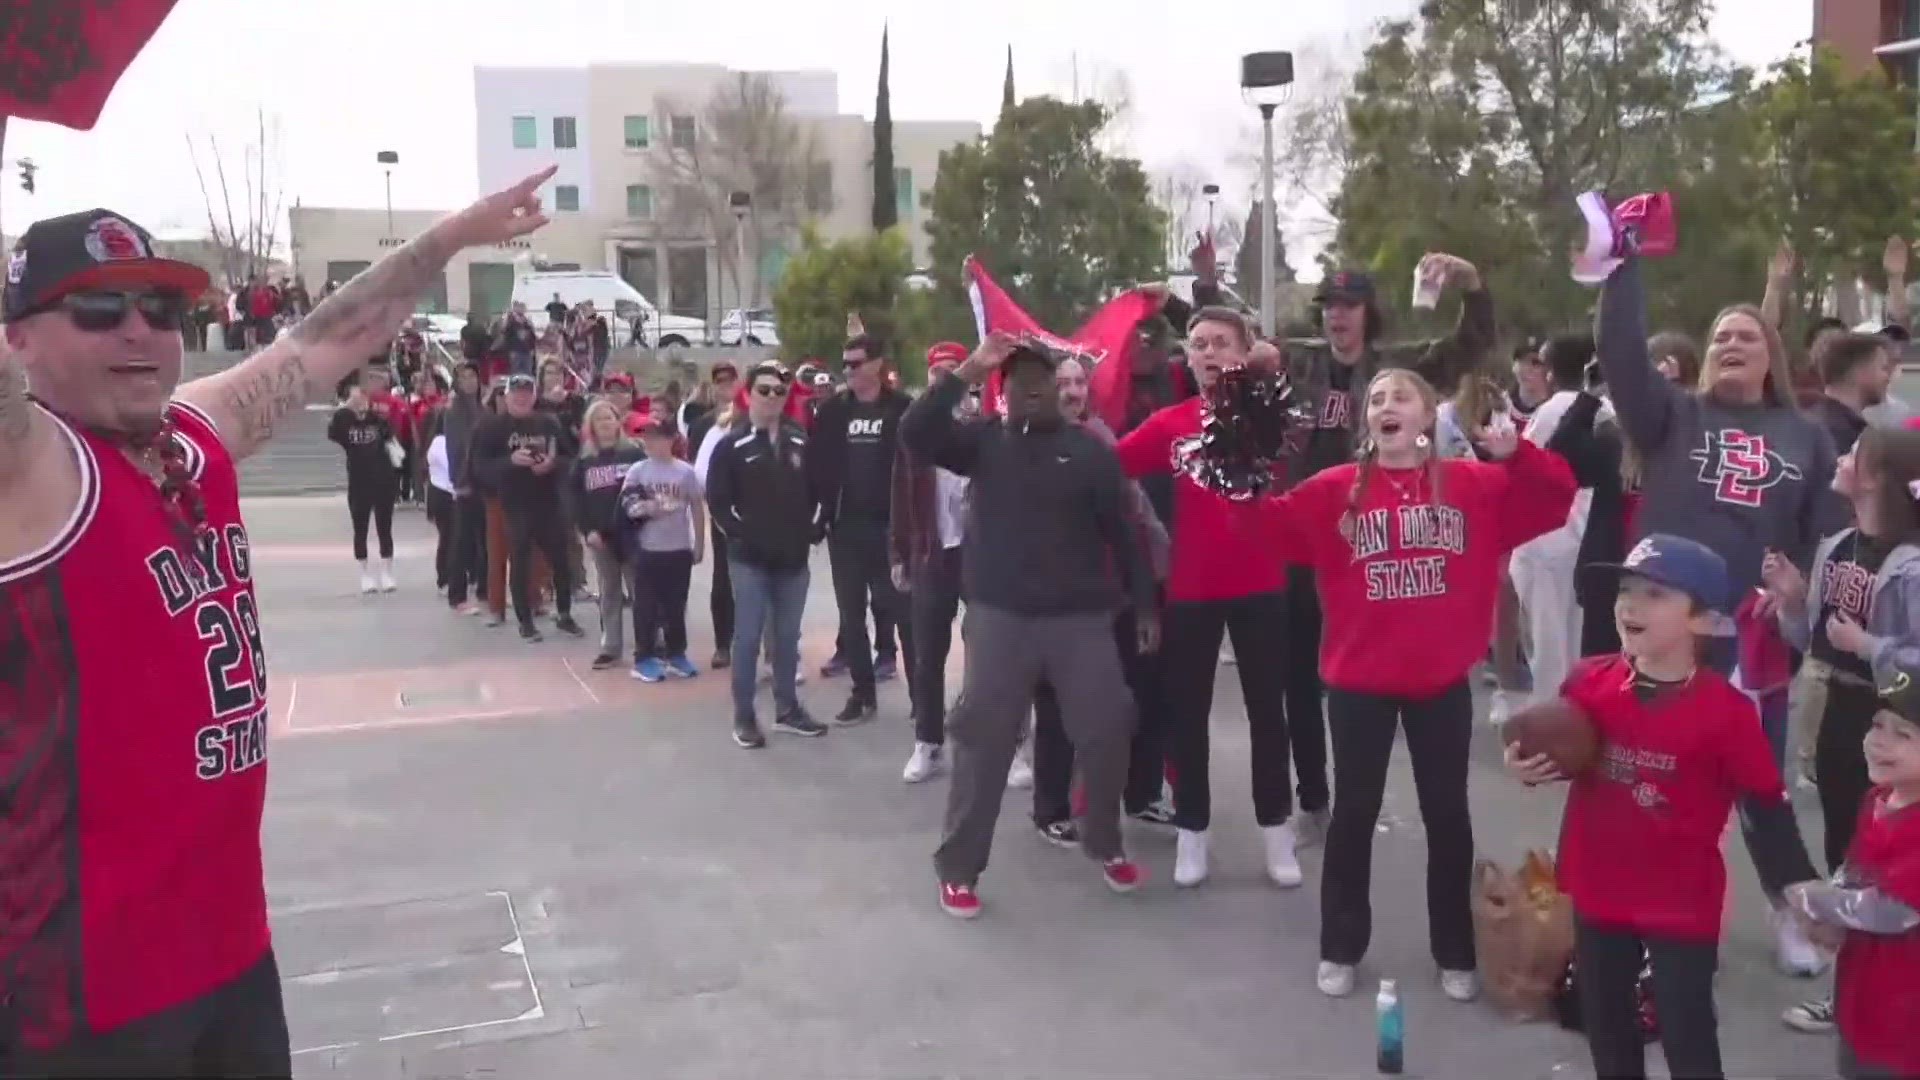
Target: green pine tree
pixel 886 200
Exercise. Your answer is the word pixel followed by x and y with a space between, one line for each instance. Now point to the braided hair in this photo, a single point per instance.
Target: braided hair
pixel 1369 451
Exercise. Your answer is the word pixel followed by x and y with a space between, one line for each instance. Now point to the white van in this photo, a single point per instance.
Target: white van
pixel 612 297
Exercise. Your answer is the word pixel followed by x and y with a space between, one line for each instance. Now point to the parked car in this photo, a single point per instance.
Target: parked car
pixel 760 328
pixel 613 297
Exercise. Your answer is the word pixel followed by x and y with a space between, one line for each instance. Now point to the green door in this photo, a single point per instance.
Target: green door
pixel 489 288
pixel 344 271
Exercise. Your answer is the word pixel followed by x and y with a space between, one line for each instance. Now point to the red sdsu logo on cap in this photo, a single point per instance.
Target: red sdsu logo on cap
pixel 113 240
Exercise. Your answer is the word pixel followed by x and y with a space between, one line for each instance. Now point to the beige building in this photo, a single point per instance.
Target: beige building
pixel 642 184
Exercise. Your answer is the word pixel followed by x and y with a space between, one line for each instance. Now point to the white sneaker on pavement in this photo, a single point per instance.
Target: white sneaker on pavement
pixel 1459 985
pixel 1189 858
pixel 927 759
pixel 1335 980
pixel 367 582
pixel 1020 774
pixel 385 576
pixel 1283 865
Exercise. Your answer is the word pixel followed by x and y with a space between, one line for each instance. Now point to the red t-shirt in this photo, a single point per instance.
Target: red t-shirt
pixel 1877 986
pixel 134 751
pixel 1640 843
pixel 1408 602
pixel 1221 549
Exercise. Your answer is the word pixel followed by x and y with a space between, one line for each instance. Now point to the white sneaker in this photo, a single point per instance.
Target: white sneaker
pixel 1283 866
pixel 367 582
pixel 1459 985
pixel 1796 955
pixel 1020 774
pixel 1189 858
pixel 1498 708
pixel 927 759
pixel 385 576
pixel 1336 980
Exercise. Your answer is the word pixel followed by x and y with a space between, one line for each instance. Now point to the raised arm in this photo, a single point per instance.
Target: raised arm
pixel 1643 399
pixel 24 433
pixel 248 401
pixel 1446 361
pixel 930 429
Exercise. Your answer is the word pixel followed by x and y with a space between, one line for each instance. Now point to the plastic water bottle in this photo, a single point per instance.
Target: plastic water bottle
pixel 1392 1025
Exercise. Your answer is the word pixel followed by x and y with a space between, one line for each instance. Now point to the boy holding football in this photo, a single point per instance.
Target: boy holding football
pixel 1679 745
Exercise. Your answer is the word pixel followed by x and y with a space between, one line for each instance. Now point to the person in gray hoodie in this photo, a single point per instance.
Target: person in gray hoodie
pixel 1733 465
pixel 1857 618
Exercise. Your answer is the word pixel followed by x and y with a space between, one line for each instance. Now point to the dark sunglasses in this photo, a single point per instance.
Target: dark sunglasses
pixel 98 311
pixel 770 389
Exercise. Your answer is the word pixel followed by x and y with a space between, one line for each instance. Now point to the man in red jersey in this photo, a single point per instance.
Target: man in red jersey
pixel 132 675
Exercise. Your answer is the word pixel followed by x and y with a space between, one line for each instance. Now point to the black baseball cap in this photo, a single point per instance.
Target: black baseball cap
pixel 92 249
pixel 1345 287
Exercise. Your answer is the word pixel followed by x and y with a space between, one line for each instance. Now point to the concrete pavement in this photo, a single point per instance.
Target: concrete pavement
pixel 487 860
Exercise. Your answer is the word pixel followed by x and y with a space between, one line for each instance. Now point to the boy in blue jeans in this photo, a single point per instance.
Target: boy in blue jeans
pixel 662 497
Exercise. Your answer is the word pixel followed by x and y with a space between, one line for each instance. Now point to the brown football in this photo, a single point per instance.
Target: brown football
pixel 1557 728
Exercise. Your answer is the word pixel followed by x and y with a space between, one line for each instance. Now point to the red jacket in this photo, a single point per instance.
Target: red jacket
pixel 421 410
pixel 1640 843
pixel 1221 549
pixel 1409 615
pixel 1877 986
pixel 398 414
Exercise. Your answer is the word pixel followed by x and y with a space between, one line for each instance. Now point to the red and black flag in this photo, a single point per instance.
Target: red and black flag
pixel 59 59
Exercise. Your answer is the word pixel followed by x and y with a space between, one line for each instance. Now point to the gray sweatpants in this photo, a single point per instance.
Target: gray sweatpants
pixel 610 574
pixel 1007 657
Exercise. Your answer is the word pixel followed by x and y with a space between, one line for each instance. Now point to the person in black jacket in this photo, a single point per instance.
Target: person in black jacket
pixel 855 435
pixel 1048 536
pixel 372 483
pixel 762 496
pixel 521 453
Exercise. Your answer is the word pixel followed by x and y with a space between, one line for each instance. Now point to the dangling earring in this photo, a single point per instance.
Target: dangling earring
pixel 1421 442
pixel 1366 448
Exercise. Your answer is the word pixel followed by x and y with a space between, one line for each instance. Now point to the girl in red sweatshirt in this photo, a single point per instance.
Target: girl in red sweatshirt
pixel 1407 549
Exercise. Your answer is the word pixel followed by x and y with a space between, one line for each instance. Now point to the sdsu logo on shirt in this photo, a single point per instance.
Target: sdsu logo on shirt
pixel 1336 410
pixel 1739 466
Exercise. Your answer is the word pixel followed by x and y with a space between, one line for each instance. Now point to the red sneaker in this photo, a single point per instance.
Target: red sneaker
pixel 959 901
pixel 1123 874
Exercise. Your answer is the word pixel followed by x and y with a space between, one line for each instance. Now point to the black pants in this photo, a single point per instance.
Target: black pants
pixel 544 526
pixel 1053 761
pixel 660 581
pixel 1305 696
pixel 467 560
pixel 440 511
pixel 720 599
pixel 370 499
pixel 1193 631
pixel 861 572
pixel 1439 735
pixel 406 472
pixel 1840 764
pixel 933 602
pixel 238 1030
pixel 1609 963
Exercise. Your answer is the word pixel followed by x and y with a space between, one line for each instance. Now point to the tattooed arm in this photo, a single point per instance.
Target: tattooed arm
pixel 248 401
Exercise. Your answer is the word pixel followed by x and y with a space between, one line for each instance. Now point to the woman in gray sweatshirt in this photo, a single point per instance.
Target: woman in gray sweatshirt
pixel 1732 464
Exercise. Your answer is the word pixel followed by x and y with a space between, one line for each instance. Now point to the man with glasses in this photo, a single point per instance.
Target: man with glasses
pixel 134 686
pixel 761 492
pixel 855 435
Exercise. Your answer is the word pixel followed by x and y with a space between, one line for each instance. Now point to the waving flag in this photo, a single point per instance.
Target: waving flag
pixel 60 59
pixel 1108 335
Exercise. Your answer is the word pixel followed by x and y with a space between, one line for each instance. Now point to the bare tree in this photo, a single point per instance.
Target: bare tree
pixel 247 239
pixel 745 140
pixel 1178 190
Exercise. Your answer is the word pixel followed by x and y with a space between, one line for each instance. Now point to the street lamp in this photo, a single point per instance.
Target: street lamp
pixel 389 158
pixel 741 203
pixel 1212 192
pixel 1266 82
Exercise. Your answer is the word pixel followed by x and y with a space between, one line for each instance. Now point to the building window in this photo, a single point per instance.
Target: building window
pixel 682 132
pixel 565 136
pixel 639 201
pixel 525 133
pixel 819 195
pixel 639 132
pixel 903 192
pixel 566 197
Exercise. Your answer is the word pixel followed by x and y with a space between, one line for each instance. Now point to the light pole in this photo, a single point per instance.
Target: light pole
pixel 741 203
pixel 1266 82
pixel 389 158
pixel 1212 192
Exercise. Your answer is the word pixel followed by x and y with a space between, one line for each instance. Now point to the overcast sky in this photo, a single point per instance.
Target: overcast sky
pixel 347 78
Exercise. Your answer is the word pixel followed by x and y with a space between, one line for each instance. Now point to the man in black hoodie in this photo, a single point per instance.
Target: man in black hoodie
pixel 521 454
pixel 855 435
pixel 761 494
pixel 1049 544
pixel 461 416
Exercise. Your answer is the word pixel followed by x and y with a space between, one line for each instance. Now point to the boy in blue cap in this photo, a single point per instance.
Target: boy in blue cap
pixel 1679 745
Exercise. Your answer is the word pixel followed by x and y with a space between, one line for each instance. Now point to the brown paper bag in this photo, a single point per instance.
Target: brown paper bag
pixel 1523 932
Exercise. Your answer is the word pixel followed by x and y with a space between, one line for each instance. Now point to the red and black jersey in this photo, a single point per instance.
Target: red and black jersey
pixel 132 751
